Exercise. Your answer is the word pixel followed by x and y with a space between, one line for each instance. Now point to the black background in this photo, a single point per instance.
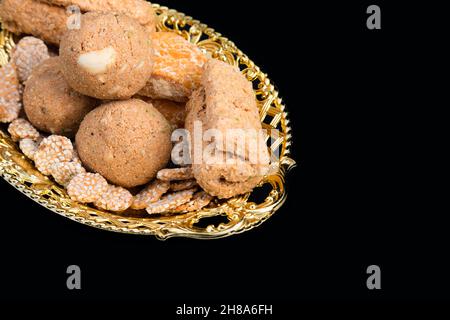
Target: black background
pixel 360 195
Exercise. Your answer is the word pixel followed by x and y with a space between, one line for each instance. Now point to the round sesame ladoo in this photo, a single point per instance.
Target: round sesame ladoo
pixel 50 104
pixel 108 57
pixel 127 142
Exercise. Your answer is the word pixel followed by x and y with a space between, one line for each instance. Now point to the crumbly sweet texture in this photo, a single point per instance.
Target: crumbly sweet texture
pixel 63 172
pixel 174 112
pixel 22 129
pixel 127 142
pixel 109 57
pixel 200 200
pixel 33 17
pixel 28 54
pixel 183 185
pixel 226 101
pixel 175 174
pixel 10 104
pixel 51 150
pixel 140 10
pixel 177 70
pixel 29 147
pixel 87 187
pixel 114 199
pixel 51 104
pixel 170 202
pixel 150 194
pixel 49 22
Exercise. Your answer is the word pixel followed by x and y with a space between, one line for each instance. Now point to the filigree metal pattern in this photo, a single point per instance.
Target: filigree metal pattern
pixel 241 213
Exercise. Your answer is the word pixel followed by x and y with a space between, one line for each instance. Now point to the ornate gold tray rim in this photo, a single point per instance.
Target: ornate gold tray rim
pixel 242 214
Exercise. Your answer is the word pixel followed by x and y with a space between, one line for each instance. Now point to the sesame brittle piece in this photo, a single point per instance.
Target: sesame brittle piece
pixel 175 174
pixel 170 201
pixel 114 199
pixel 87 187
pixel 200 200
pixel 151 193
pixel 22 129
pixel 52 149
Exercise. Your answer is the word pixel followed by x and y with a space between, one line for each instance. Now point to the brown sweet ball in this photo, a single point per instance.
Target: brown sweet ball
pixel 127 142
pixel 109 57
pixel 50 104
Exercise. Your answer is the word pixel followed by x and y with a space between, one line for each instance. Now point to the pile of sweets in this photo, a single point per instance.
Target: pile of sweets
pixel 98 114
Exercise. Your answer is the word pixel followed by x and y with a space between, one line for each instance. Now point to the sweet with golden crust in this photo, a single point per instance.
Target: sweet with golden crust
pixel 178 68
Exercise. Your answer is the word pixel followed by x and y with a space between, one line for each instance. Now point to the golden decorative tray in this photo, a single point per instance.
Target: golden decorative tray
pixel 240 213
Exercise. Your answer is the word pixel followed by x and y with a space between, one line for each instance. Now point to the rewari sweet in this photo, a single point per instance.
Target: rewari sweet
pixel 28 54
pixel 114 199
pixel 151 193
pixel 28 147
pixel 87 187
pixel 22 129
pixel 51 150
pixel 170 201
